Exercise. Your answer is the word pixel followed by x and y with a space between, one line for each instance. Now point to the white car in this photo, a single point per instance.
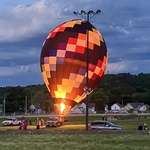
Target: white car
pixel 11 122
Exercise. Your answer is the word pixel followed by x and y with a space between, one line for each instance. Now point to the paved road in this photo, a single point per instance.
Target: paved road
pixel 108 115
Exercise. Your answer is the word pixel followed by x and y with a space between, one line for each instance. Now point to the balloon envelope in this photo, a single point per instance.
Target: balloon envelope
pixel 64 61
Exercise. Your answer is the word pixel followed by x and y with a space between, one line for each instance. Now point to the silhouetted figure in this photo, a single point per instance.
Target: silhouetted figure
pixel 140 127
pixel 20 126
pixel 37 123
pixel 103 118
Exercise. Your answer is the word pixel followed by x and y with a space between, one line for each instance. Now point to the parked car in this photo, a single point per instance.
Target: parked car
pixel 104 125
pixel 11 122
pixel 54 122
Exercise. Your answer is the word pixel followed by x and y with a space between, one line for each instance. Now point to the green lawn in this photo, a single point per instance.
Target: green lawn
pixel 78 140
pixel 75 142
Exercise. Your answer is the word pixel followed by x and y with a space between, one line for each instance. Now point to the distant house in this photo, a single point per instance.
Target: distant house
pixel 116 107
pixel 81 108
pixel 134 107
pixel 78 109
pixel 91 108
pixel 144 108
pixel 36 109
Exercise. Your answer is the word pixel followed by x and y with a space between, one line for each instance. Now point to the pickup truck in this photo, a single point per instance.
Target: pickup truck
pixel 55 122
pixel 11 122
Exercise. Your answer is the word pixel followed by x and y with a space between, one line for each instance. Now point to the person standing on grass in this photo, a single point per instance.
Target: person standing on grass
pixel 145 127
pixel 140 127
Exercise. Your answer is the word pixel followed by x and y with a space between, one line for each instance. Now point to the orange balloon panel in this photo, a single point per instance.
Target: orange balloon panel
pixel 64 60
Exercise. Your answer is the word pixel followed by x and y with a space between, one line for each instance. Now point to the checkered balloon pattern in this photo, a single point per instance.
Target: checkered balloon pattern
pixel 64 60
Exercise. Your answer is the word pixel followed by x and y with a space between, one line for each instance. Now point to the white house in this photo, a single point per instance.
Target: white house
pixel 135 107
pixel 144 108
pixel 91 108
pixel 81 108
pixel 35 109
pixel 78 109
pixel 116 107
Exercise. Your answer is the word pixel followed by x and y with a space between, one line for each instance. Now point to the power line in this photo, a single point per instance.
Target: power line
pixel 113 24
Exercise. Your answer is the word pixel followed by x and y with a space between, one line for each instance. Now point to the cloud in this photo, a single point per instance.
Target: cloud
pixel 25 25
pixel 14 69
pixel 25 20
pixel 135 66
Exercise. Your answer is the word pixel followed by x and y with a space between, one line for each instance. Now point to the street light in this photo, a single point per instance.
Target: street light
pixel 89 14
pixel 4 106
pixel 26 105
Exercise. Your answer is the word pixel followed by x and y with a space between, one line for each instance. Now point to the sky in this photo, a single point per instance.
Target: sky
pixel 24 25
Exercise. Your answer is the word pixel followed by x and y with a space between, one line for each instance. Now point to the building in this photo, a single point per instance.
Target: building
pixel 81 108
pixel 116 108
pixel 133 107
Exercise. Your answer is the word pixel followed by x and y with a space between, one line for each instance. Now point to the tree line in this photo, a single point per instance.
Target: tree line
pixel 120 88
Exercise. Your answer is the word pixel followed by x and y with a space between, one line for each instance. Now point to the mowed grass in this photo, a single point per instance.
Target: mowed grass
pixel 78 140
pixel 75 142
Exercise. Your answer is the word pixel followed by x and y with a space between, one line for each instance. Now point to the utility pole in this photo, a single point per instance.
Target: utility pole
pixel 4 106
pixel 87 89
pixel 26 105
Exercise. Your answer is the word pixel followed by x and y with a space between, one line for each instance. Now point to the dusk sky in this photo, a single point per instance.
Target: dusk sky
pixel 24 25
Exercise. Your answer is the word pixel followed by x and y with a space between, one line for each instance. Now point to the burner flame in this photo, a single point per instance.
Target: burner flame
pixel 62 107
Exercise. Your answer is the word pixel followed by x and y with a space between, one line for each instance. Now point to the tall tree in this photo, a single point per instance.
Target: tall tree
pixel 15 99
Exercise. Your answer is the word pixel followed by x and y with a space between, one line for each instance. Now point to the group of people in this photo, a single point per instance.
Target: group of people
pixel 24 123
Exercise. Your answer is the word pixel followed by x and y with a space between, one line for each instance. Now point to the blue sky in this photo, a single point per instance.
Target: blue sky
pixel 24 25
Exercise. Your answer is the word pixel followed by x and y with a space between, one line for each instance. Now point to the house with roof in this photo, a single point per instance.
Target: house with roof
pixel 91 108
pixel 81 108
pixel 116 107
pixel 36 109
pixel 145 108
pixel 78 109
pixel 134 107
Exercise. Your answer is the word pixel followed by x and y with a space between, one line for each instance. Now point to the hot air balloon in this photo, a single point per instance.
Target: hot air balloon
pixel 63 62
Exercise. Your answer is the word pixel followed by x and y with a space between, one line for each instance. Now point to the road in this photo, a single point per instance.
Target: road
pixel 103 114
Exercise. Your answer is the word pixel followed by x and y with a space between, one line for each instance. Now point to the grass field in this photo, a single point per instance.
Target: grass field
pixel 75 142
pixel 79 140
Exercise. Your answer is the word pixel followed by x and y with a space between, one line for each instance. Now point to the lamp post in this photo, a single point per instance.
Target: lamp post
pixel 25 104
pixel 89 15
pixel 4 106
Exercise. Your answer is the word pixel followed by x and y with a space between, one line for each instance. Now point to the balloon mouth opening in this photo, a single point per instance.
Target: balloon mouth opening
pixel 63 106
pixel 63 109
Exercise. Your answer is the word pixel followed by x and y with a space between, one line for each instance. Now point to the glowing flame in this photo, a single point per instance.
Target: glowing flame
pixel 62 107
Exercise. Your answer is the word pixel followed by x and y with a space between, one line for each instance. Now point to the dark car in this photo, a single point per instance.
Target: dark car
pixel 54 122
pixel 104 125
